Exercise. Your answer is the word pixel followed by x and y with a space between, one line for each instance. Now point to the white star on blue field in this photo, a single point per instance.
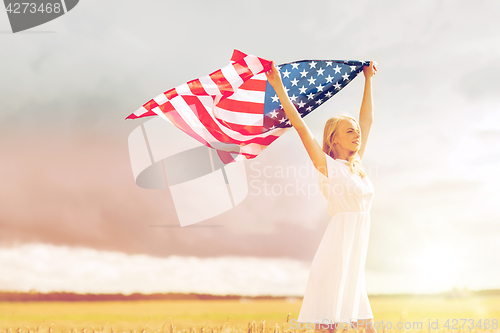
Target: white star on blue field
pixel 308 83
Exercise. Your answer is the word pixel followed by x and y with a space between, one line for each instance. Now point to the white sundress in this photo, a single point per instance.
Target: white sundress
pixel 336 291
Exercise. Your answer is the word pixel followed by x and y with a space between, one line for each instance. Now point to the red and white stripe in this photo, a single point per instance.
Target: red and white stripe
pixel 226 106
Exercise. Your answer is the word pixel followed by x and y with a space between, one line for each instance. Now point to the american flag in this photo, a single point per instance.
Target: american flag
pixel 237 112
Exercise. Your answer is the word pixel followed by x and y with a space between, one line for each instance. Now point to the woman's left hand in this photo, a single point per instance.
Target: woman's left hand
pixel 370 70
pixel 273 76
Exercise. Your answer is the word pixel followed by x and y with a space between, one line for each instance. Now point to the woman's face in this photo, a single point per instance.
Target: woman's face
pixel 348 135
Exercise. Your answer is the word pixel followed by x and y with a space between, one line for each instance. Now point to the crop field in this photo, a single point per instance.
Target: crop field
pixel 414 314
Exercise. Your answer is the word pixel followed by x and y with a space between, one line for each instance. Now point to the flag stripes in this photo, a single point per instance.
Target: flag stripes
pixel 213 109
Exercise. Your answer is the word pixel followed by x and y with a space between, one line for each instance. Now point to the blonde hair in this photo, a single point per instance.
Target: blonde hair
pixel 329 133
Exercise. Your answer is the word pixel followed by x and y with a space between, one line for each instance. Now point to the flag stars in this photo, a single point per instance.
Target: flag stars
pixel 272 127
pixel 278 67
pixel 273 114
pixel 310 86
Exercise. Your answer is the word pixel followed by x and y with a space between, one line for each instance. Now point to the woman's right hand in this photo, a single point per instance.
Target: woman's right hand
pixel 370 70
pixel 274 77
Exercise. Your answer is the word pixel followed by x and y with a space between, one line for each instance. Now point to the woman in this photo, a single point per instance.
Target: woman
pixel 335 292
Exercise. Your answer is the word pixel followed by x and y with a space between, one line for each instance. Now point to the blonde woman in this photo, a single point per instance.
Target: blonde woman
pixel 335 295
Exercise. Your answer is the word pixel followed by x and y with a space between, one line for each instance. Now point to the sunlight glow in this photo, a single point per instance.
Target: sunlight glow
pixel 438 268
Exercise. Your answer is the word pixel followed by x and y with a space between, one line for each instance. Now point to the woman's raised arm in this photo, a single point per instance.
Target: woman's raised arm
pixel 366 111
pixel 312 146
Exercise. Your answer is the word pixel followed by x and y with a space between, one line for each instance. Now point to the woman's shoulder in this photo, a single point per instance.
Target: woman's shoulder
pixel 328 155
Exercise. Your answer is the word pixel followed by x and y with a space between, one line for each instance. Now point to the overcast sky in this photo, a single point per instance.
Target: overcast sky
pixel 68 196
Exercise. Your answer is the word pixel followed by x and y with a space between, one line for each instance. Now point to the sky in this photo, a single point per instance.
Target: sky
pixel 73 219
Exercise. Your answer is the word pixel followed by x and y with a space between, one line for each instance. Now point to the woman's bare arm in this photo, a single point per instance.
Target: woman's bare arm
pixel 366 111
pixel 312 146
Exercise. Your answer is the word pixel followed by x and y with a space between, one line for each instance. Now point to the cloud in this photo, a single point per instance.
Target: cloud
pixel 481 83
pixel 60 268
pixel 78 269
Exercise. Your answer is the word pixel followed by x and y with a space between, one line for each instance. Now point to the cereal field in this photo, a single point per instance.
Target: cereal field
pixel 467 315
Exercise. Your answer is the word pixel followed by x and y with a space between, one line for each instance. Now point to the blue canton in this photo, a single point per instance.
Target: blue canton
pixel 309 84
